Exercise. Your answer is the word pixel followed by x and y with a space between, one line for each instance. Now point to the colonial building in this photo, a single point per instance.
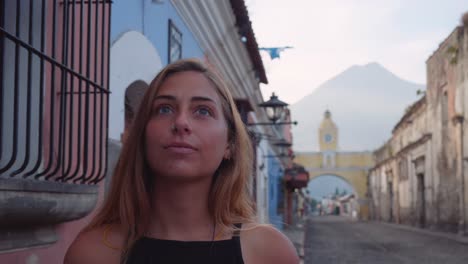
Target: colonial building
pixel 54 97
pixel 421 173
pixel 72 76
pixel 156 33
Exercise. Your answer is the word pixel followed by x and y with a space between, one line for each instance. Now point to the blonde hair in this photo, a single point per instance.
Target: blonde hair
pixel 128 203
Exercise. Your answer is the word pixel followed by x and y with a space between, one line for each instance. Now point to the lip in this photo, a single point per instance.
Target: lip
pixel 180 147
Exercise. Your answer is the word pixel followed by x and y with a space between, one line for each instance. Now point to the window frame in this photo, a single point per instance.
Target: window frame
pixel 173 42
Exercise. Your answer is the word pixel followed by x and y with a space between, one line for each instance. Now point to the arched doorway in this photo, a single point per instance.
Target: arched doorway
pixel 332 194
pixel 133 97
pixel 133 58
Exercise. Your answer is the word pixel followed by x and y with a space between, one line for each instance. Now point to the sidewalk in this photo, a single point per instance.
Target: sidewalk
pixel 296 235
pixel 451 236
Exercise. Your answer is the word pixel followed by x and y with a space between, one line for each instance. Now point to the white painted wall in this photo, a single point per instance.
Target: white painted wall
pixel 262 182
pixel 133 57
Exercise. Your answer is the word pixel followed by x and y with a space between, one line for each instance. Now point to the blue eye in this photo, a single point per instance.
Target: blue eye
pixel 203 111
pixel 164 109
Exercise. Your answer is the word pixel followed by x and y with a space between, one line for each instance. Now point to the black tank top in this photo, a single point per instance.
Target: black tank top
pixel 148 250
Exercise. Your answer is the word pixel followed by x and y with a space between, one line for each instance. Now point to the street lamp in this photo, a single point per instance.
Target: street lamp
pixel 282 155
pixel 283 144
pixel 274 109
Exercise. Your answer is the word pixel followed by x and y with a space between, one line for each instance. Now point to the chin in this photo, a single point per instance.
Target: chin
pixel 184 178
pixel 182 175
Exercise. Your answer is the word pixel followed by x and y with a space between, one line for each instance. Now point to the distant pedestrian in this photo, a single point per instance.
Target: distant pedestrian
pixel 179 192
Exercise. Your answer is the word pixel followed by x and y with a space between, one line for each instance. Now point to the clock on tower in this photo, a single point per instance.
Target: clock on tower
pixel 328 134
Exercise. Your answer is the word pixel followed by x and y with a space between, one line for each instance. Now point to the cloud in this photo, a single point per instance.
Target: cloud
pixel 330 36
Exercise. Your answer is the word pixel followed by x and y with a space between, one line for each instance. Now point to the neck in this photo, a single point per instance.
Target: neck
pixel 180 211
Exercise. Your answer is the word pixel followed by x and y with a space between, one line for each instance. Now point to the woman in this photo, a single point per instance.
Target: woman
pixel 179 192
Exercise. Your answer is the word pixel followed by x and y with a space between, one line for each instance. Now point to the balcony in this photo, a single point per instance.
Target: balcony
pixel 53 120
pixel 296 177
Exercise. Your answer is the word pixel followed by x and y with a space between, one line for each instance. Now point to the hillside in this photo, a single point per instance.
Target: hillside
pixel 365 101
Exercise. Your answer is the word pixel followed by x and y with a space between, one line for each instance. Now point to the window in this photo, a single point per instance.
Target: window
pixel 54 74
pixel 403 168
pixel 175 43
pixel 20 69
pixel 445 115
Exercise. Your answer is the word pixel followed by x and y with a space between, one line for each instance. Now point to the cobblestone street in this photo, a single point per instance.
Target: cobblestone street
pixel 330 239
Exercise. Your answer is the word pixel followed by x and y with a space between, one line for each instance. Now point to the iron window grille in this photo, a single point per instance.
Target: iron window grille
pixel 175 43
pixel 54 96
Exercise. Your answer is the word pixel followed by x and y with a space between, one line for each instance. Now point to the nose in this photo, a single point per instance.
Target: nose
pixel 181 124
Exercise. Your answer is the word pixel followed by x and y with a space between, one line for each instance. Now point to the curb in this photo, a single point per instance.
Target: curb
pixel 459 238
pixel 297 239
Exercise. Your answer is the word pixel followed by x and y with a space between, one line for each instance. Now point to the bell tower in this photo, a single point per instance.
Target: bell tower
pixel 328 134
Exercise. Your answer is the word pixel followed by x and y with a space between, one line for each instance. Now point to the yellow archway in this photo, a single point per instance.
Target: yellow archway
pixel 357 179
pixel 341 177
pixel 352 167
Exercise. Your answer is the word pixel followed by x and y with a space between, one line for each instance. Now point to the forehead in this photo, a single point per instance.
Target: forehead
pixel 189 84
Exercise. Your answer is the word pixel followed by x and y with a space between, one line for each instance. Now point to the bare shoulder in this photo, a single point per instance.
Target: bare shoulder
pixel 266 244
pixel 98 245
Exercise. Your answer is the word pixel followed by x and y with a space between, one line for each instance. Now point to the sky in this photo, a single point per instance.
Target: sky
pixel 326 185
pixel 329 36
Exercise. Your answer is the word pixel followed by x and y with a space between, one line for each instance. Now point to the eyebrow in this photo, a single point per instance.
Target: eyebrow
pixel 173 98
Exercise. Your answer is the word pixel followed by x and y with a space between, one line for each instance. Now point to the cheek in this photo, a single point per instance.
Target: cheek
pixel 151 134
pixel 218 140
pixel 148 133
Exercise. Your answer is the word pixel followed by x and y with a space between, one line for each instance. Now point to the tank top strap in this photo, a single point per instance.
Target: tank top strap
pixel 236 232
pixel 237 242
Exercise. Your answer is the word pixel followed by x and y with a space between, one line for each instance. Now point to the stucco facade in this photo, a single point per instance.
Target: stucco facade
pixel 421 172
pixel 209 31
pixel 53 162
pixel 130 44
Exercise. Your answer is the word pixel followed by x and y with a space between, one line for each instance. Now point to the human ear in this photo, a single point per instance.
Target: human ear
pixel 227 152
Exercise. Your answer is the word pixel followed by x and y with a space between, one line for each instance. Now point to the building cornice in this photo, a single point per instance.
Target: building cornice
pixel 412 109
pixel 213 24
pixel 338 169
pixel 412 145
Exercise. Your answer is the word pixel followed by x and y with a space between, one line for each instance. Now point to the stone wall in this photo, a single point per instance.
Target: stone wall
pixel 425 155
pixel 445 73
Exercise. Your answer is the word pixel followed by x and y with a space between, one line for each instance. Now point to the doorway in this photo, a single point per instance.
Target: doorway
pixel 421 200
pixel 390 198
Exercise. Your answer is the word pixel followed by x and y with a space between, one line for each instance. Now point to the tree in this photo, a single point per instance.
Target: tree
pixel 313 204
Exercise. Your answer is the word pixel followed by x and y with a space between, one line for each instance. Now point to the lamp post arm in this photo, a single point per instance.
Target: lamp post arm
pixel 272 124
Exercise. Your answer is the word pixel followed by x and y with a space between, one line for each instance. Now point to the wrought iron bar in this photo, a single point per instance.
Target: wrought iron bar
pixel 72 82
pixel 80 66
pixel 16 96
pixel 71 120
pixel 75 146
pixel 83 177
pixel 63 80
pixel 41 100
pixel 52 93
pixel 104 130
pixel 272 123
pixel 28 96
pixel 95 79
pixel 53 61
pixel 2 55
pixel 101 139
pixel 92 2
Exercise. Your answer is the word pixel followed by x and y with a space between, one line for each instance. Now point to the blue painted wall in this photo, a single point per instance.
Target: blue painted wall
pixel 152 20
pixel 275 195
